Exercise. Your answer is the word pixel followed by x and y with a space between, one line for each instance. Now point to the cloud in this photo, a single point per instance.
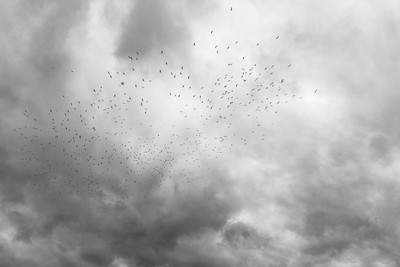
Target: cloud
pixel 153 25
pixel 240 235
pixel 43 54
pixel 320 189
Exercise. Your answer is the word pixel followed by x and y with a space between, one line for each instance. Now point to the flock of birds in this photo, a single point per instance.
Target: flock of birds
pixel 145 127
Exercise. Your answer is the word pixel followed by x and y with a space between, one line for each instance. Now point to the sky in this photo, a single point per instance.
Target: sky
pixel 199 133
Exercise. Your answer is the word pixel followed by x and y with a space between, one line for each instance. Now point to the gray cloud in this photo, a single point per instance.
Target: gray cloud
pixel 241 235
pixel 153 25
pixel 42 57
pixel 321 189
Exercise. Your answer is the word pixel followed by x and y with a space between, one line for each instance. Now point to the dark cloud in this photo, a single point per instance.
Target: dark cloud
pixel 43 56
pixel 34 58
pixel 153 25
pixel 97 257
pixel 8 259
pixel 380 148
pixel 321 190
pixel 111 232
pixel 337 214
pixel 8 98
pixel 239 235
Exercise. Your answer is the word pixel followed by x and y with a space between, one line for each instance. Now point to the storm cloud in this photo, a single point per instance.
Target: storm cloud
pixel 125 142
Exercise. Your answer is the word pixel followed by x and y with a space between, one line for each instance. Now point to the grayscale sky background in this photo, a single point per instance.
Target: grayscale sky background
pixel 154 177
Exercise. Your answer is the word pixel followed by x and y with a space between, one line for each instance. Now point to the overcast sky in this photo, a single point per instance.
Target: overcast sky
pixel 199 133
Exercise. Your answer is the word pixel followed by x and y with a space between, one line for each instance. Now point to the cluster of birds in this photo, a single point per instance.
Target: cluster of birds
pixel 150 126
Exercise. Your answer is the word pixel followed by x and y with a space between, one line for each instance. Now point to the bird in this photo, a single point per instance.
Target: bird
pixel 121 120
